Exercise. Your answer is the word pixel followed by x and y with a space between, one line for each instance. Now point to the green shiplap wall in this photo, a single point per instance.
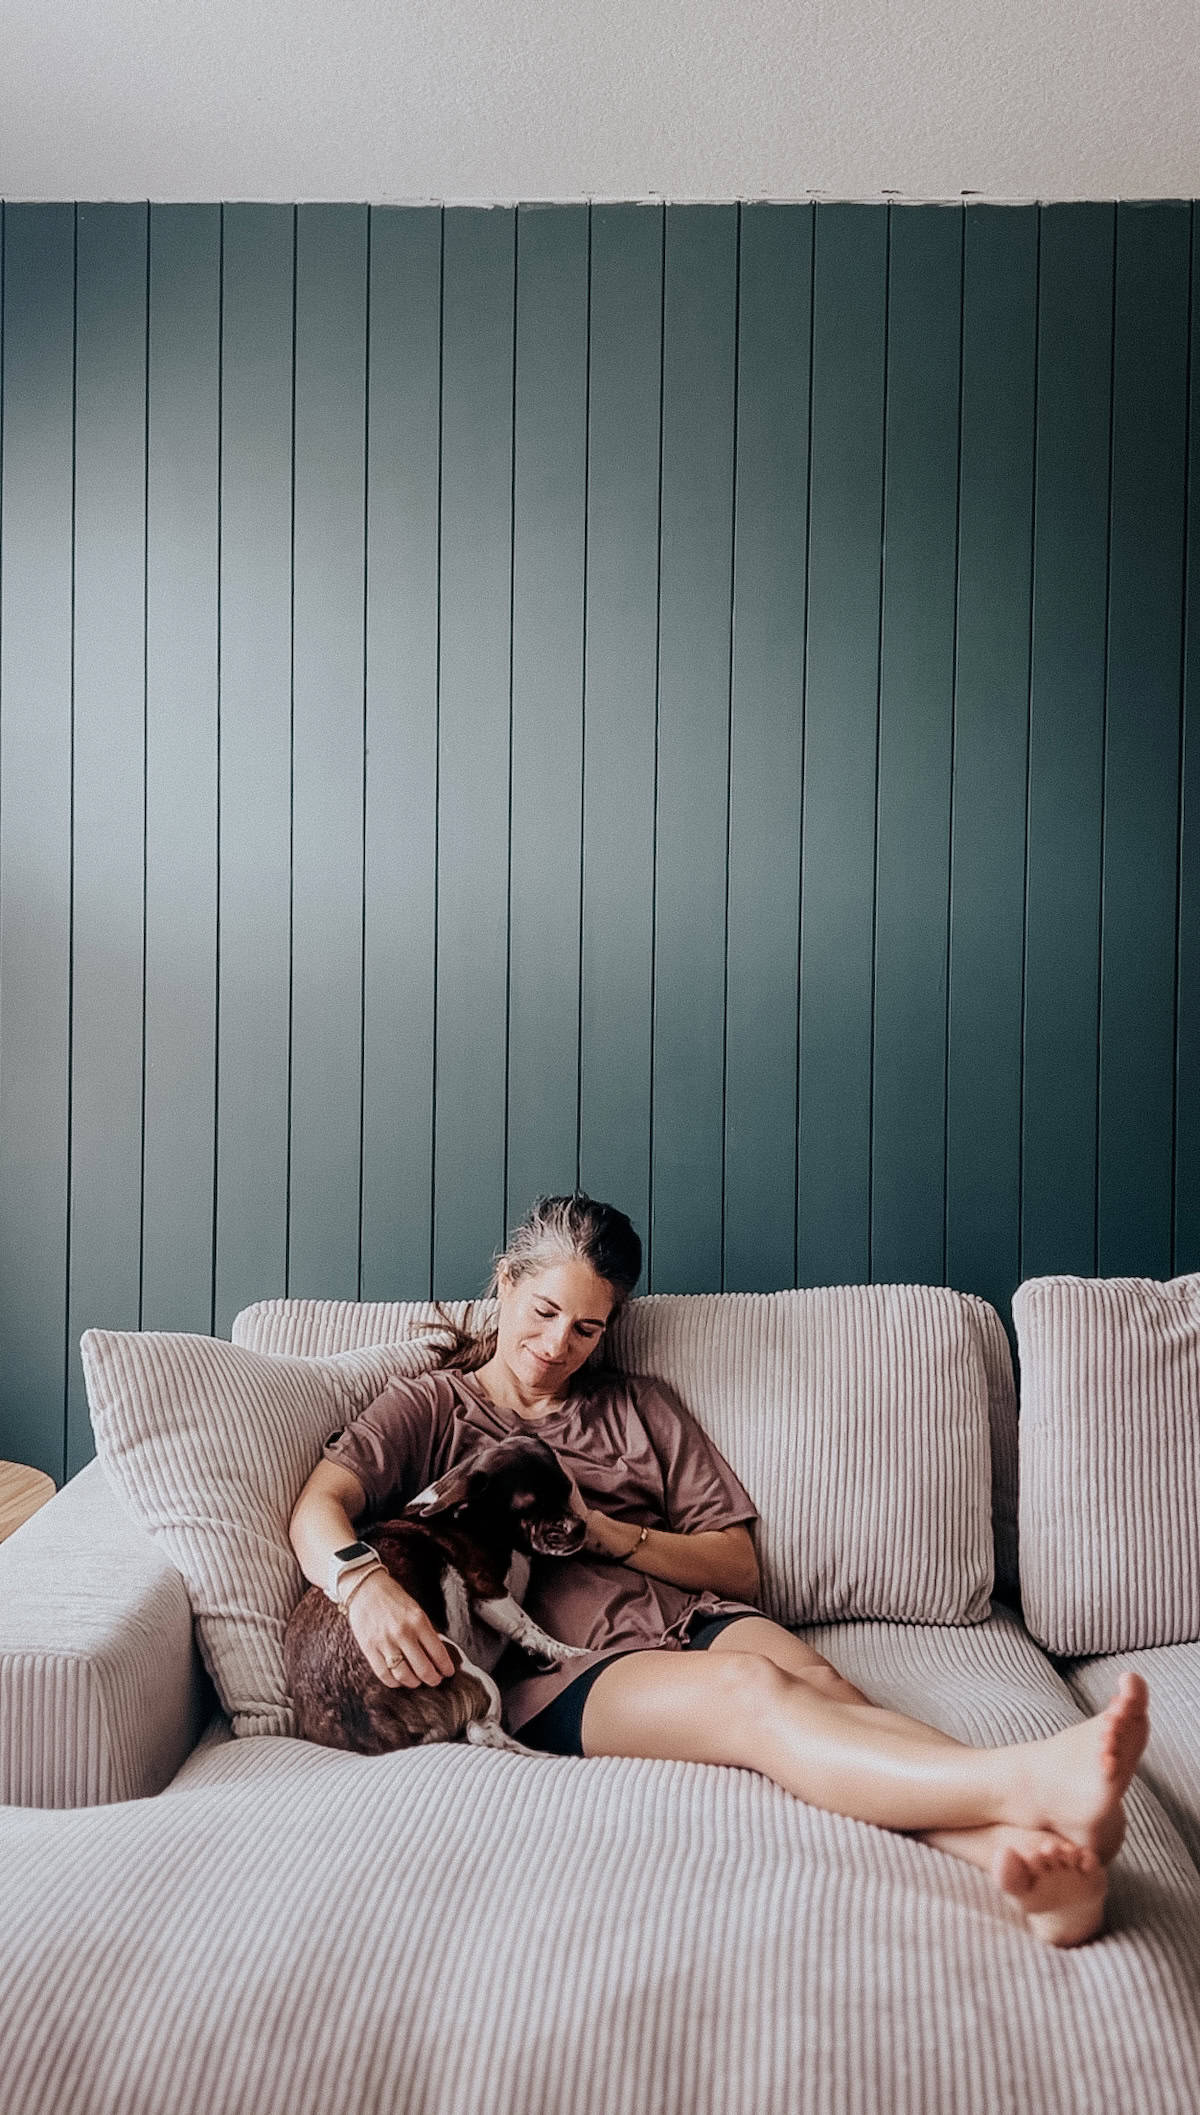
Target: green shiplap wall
pixel 700 704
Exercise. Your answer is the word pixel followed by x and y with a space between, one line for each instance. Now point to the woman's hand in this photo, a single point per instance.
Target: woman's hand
pixel 396 1635
pixel 578 1504
pixel 601 1534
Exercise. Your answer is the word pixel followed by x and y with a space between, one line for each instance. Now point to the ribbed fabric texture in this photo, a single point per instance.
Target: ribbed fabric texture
pixel 1110 1461
pixel 1171 1763
pixel 732 1951
pixel 320 1328
pixel 211 1445
pixel 856 1417
pixel 100 1687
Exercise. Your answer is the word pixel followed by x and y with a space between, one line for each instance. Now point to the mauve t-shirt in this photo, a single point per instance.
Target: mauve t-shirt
pixel 636 1454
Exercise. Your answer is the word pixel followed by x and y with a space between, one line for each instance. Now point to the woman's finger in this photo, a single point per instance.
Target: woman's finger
pixel 435 1648
pixel 421 1664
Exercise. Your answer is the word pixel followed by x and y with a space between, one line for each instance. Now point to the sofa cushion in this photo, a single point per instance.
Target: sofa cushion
pixel 1171 1763
pixel 1109 1461
pixel 855 1416
pixel 210 1444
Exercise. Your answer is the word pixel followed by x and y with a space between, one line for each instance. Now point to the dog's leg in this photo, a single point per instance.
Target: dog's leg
pixel 510 1619
pixel 488 1732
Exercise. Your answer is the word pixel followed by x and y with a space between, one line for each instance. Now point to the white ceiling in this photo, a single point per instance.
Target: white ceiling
pixel 468 100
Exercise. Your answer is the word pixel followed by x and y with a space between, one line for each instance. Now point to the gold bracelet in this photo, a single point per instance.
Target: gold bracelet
pixel 368 1572
pixel 634 1547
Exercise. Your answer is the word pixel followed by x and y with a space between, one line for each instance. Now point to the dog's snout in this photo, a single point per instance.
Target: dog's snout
pixel 558 1538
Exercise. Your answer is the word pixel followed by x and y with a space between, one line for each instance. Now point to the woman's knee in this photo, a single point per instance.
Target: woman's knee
pixel 751 1682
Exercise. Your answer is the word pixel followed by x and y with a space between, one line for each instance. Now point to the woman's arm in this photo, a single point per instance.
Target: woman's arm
pixel 323 1516
pixel 393 1630
pixel 720 1558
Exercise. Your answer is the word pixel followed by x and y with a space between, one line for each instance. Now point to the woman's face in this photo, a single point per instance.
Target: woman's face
pixel 549 1323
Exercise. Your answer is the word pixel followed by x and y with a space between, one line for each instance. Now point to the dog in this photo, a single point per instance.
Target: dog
pixel 461 1548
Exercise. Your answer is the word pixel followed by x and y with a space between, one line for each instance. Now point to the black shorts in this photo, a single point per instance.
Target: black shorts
pixel 559 1727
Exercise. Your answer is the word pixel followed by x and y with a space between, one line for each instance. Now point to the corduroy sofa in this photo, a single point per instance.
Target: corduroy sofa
pixel 201 1914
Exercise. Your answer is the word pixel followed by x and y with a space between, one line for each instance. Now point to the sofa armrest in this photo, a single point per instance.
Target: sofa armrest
pixel 102 1691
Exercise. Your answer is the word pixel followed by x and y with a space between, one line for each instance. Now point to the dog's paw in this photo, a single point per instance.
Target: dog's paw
pixel 484 1733
pixel 548 1661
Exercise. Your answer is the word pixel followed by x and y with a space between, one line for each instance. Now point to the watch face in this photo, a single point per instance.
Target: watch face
pixel 355 1549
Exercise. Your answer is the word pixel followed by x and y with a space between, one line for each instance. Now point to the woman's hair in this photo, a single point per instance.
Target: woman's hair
pixel 573 1229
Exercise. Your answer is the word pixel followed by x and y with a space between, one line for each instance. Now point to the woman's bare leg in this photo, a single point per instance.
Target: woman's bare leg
pixel 740 1707
pixel 1058 1885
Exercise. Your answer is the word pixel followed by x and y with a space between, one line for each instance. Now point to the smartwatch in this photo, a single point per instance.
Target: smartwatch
pixel 356 1557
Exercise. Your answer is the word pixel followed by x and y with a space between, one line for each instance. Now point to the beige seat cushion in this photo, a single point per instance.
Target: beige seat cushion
pixel 1109 1461
pixel 857 1417
pixel 1171 1763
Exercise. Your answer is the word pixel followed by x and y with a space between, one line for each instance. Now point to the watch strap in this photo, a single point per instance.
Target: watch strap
pixel 348 1568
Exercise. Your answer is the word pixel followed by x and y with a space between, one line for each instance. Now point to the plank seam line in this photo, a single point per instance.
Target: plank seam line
pixel 951 804
pixel 141 1299
pixel 583 702
pixel 366 674
pixel 512 598
pixel 814 222
pixel 662 346
pixel 437 748
pixel 216 1131
pixel 1029 683
pixel 287 1239
pixel 1184 673
pixel 879 637
pixel 733 527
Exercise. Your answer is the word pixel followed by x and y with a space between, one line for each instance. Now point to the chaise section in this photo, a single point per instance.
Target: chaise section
pixel 585 1936
pixel 102 1694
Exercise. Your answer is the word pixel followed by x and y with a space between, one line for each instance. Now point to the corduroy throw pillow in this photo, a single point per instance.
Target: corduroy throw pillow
pixel 1109 1461
pixel 210 1445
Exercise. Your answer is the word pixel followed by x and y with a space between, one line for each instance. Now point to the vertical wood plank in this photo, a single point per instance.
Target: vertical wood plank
pixel 255 757
pixel 1186 1252
pixel 991 752
pixel 1141 760
pixel 109 787
pixel 401 786
pixel 181 766
pixel 1066 734
pixel 474 745
pixel 327 751
pixel 549 498
pixel 767 718
pixel 841 717
pixel 625 363
pixel 37 273
pixel 699 393
pixel 916 710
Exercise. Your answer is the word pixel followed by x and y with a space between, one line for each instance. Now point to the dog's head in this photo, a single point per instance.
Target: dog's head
pixel 519 1481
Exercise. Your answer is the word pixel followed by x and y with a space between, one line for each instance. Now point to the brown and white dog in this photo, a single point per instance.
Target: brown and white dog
pixel 461 1548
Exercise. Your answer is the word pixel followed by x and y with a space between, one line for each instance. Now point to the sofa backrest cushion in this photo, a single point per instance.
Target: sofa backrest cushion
pixel 857 1417
pixel 210 1445
pixel 1109 1461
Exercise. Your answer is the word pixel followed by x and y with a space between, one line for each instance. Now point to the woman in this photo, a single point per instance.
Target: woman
pixel 665 1597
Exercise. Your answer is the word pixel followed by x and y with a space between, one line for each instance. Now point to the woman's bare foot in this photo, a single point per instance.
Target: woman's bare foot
pixel 1074 1782
pixel 1059 1886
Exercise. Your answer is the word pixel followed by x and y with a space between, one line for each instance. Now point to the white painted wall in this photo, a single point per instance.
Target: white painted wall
pixel 407 100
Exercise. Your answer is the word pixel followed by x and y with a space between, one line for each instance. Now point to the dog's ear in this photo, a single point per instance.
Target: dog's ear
pixel 452 1489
